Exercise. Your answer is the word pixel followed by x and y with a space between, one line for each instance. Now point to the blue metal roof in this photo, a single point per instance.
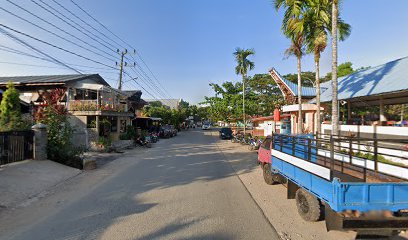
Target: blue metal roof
pixel 386 78
pixel 306 91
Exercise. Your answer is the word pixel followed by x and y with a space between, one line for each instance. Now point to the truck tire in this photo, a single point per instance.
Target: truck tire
pixel 267 174
pixel 309 207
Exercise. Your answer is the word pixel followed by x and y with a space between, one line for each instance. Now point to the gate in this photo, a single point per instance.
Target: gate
pixel 16 146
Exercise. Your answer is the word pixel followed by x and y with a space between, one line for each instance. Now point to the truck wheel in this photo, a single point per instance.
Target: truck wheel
pixel 309 207
pixel 267 174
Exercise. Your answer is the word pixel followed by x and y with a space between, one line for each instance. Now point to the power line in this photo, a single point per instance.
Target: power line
pixel 60 29
pixel 55 15
pixel 11 36
pixel 43 66
pixel 89 15
pixel 54 46
pixel 152 82
pixel 140 85
pixel 55 34
pixel 89 25
pixel 79 25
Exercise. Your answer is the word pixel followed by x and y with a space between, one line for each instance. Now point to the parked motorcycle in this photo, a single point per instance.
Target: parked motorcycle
pixel 236 138
pixel 143 142
pixel 154 137
pixel 252 144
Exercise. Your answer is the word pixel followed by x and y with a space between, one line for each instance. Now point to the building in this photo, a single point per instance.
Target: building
pixel 171 103
pixel 96 109
pixel 386 84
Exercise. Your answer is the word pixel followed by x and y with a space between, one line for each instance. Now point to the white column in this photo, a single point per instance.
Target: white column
pixel 382 116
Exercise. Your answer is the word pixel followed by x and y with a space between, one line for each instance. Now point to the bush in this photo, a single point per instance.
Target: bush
pixel 59 147
pixel 129 134
pixel 10 111
pixel 105 141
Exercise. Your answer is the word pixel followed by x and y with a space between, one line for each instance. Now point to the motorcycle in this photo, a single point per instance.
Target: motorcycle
pixel 154 137
pixel 143 142
pixel 235 138
pixel 252 144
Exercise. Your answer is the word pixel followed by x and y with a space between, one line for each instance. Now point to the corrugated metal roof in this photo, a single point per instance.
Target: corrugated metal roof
pixel 306 91
pixel 50 79
pixel 386 78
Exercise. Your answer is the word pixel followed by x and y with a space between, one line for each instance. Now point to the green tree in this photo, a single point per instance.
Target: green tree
pixel 10 111
pixel 293 28
pixel 343 69
pixel 317 24
pixel 243 65
pixel 266 94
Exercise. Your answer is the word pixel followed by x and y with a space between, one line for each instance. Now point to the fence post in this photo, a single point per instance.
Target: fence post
pixel 331 156
pixel 375 149
pixel 309 150
pixel 293 146
pixel 40 141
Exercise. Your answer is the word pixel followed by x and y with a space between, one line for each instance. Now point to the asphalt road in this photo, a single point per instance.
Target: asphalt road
pixel 182 188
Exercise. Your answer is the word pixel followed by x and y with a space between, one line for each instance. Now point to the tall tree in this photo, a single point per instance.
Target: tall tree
pixel 317 23
pixel 10 112
pixel 243 65
pixel 335 110
pixel 293 28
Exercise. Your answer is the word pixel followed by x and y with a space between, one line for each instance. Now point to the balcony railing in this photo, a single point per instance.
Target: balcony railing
pixel 93 105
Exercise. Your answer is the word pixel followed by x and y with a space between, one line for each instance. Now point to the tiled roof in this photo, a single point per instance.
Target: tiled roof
pixel 306 91
pixel 386 78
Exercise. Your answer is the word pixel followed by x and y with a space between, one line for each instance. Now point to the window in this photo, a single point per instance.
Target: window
pixel 114 124
pixel 267 143
pixel 91 121
pixel 122 126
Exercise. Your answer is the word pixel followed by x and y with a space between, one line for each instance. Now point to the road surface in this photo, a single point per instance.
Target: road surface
pixel 182 188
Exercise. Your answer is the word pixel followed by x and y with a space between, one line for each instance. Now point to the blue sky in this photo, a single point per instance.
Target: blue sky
pixel 189 43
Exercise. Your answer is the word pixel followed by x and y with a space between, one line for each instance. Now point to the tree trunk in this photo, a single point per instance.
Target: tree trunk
pixel 335 112
pixel 300 117
pixel 243 102
pixel 318 120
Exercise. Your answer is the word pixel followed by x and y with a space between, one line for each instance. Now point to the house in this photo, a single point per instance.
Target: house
pixel 171 103
pixel 96 109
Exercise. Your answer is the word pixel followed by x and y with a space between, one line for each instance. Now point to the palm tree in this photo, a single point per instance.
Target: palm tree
pixel 243 64
pixel 337 25
pixel 293 28
pixel 318 15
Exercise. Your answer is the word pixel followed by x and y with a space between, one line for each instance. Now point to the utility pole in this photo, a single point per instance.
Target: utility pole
pixel 122 64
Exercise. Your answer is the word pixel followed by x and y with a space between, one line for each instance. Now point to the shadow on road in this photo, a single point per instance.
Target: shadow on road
pixel 190 157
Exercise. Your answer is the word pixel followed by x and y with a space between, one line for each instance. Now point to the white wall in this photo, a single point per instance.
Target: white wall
pixel 389 130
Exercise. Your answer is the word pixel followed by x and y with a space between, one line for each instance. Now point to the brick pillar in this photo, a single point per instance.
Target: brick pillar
pixel 40 141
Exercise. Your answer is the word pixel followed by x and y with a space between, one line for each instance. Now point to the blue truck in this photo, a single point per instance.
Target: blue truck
pixel 350 182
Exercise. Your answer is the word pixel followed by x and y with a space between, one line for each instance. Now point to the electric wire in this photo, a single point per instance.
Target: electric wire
pixel 54 46
pixel 11 36
pixel 54 34
pixel 68 23
pixel 123 41
pixel 60 29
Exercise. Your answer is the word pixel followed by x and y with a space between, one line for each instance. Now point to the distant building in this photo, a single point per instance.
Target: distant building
pixel 171 103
